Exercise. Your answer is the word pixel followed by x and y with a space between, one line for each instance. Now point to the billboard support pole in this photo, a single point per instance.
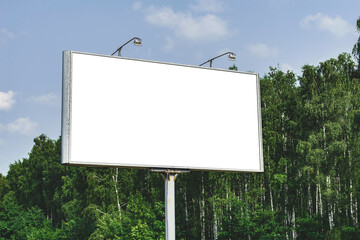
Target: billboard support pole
pixel 170 205
pixel 169 176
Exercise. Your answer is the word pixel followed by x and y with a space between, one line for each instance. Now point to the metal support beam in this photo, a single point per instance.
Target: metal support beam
pixel 137 42
pixel 169 178
pixel 232 57
pixel 170 205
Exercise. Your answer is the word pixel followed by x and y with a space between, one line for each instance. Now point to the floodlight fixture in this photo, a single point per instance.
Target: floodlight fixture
pixel 137 42
pixel 232 57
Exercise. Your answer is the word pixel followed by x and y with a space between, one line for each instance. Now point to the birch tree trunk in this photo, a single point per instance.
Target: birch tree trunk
pixel 293 223
pixel 115 179
pixel 330 207
pixel 319 208
pixel 215 230
pixel 186 208
pixel 202 208
pixel 353 204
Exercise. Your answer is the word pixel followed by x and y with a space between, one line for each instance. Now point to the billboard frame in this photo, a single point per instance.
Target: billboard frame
pixel 66 123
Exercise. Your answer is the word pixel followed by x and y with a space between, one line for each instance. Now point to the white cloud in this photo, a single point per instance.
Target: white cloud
pixel 336 26
pixel 205 28
pixel 7 34
pixel 208 6
pixel 6 100
pixel 262 50
pixel 47 99
pixel 22 126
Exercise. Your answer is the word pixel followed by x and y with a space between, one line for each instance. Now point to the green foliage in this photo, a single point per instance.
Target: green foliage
pixel 265 226
pixel 18 223
pixel 241 223
pixel 109 226
pixel 139 221
pixel 356 48
pixel 233 67
pixel 143 220
pixel 349 233
pixel 309 228
pixel 141 231
pixel 4 187
pixel 237 219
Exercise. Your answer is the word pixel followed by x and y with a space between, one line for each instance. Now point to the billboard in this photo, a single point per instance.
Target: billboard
pixel 133 113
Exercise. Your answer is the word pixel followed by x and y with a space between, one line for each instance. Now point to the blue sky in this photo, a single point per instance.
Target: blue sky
pixel 263 33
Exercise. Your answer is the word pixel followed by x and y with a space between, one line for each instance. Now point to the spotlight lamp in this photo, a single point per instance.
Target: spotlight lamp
pixel 137 42
pixel 231 56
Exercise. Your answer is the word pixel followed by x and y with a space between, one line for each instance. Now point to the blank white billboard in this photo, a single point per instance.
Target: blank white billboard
pixel 134 113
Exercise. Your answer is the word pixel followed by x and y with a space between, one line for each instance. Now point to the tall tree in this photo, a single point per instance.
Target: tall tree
pixel 356 48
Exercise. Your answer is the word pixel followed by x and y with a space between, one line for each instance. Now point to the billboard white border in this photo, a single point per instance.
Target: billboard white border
pixel 66 119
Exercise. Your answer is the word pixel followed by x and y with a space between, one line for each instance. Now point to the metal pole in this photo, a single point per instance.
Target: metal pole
pixel 232 56
pixel 138 43
pixel 170 205
pixel 169 176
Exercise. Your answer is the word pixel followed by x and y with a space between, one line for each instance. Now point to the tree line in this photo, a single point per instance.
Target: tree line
pixel 310 188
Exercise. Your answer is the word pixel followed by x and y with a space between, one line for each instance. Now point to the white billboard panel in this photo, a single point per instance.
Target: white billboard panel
pixel 134 113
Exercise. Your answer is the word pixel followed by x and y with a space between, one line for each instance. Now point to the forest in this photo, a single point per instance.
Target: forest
pixel 310 187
